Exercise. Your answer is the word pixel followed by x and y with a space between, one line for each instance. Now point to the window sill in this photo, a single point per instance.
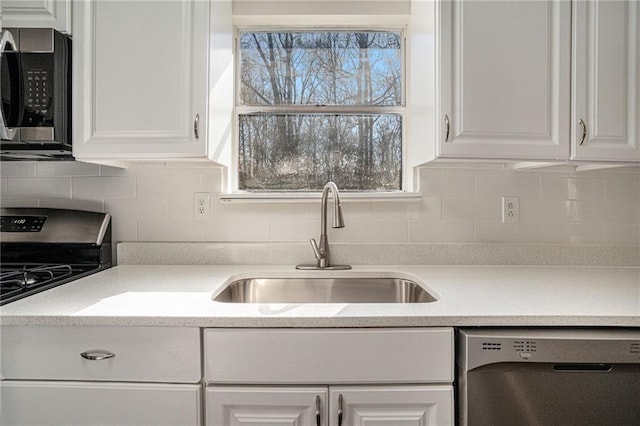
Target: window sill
pixel 305 197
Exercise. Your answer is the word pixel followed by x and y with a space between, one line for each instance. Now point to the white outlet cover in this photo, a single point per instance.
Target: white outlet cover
pixel 510 209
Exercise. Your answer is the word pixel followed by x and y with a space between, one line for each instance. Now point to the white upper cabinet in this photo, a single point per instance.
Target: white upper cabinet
pixel 504 79
pixel 606 81
pixel 37 14
pixel 539 80
pixel 141 81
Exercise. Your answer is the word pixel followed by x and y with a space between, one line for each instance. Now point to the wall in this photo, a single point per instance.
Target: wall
pixel 461 203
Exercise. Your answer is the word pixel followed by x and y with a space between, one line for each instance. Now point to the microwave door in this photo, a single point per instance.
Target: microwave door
pixel 10 86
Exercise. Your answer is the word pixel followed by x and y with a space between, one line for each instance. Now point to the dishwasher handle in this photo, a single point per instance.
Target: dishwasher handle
pixel 583 367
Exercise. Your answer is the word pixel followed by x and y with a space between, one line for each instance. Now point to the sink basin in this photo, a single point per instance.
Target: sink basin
pixel 324 290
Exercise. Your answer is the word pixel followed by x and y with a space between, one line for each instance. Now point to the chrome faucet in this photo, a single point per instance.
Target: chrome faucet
pixel 321 250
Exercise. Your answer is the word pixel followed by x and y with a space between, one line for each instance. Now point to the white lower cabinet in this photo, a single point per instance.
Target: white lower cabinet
pixel 261 405
pixel 410 405
pixel 415 405
pixel 120 375
pixel 329 377
pixel 66 375
pixel 91 403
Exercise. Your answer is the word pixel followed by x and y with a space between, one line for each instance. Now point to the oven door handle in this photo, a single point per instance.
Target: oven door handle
pixel 7 44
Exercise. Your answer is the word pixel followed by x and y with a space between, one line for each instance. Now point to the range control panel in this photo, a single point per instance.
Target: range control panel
pixel 22 223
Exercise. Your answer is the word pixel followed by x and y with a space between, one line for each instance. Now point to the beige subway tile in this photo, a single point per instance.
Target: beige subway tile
pixel 39 188
pixel 490 232
pixel 471 208
pixel 571 188
pixel 441 231
pixel 103 187
pixel 66 169
pixel 18 168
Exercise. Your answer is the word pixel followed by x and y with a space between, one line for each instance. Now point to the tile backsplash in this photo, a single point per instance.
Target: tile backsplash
pixel 460 203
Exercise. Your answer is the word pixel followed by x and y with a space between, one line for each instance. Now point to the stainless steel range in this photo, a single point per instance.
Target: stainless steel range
pixel 42 248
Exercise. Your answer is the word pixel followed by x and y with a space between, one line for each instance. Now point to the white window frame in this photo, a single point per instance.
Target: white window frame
pixel 420 50
pixel 314 109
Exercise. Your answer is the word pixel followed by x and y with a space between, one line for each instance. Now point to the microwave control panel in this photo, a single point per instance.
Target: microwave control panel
pixel 37 91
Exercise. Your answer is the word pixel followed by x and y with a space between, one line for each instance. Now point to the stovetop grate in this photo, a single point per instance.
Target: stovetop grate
pixel 22 280
pixel 32 276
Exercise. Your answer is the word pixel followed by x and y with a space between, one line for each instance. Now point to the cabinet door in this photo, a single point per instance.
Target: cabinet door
pixel 257 406
pixel 391 405
pixel 83 403
pixel 37 14
pixel 504 70
pixel 140 79
pixel 606 85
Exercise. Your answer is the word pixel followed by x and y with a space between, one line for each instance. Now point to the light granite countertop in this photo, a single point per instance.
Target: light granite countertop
pixel 181 295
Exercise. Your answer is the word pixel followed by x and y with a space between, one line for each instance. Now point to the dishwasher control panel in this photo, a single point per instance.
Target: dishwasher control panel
pixel 487 346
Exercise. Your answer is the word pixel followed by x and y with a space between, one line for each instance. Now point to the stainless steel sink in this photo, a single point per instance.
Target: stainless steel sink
pixel 324 290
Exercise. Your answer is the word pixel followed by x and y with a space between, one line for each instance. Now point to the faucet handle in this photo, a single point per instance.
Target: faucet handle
pixel 316 249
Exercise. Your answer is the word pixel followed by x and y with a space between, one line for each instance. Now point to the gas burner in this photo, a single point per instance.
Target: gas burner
pixel 30 277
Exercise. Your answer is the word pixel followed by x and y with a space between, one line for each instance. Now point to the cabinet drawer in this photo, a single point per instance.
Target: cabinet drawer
pixel 149 354
pixel 84 403
pixel 409 355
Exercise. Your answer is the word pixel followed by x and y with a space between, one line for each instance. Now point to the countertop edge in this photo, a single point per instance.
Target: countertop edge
pixel 326 322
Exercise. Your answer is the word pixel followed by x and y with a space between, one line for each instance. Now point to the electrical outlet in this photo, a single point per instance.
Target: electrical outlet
pixel 510 209
pixel 201 205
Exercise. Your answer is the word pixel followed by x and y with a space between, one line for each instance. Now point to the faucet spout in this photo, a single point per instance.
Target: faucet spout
pixel 338 220
pixel 321 250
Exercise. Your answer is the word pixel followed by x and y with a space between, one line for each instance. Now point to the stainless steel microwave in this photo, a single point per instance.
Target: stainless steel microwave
pixel 35 116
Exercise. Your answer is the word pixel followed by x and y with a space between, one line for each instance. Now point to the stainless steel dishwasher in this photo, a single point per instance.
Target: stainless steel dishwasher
pixel 548 377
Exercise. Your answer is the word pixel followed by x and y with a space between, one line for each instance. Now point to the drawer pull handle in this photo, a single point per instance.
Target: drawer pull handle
pixel 318 417
pixel 97 355
pixel 340 410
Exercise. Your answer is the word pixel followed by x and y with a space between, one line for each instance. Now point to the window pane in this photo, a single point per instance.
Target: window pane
pixel 320 68
pixel 302 152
